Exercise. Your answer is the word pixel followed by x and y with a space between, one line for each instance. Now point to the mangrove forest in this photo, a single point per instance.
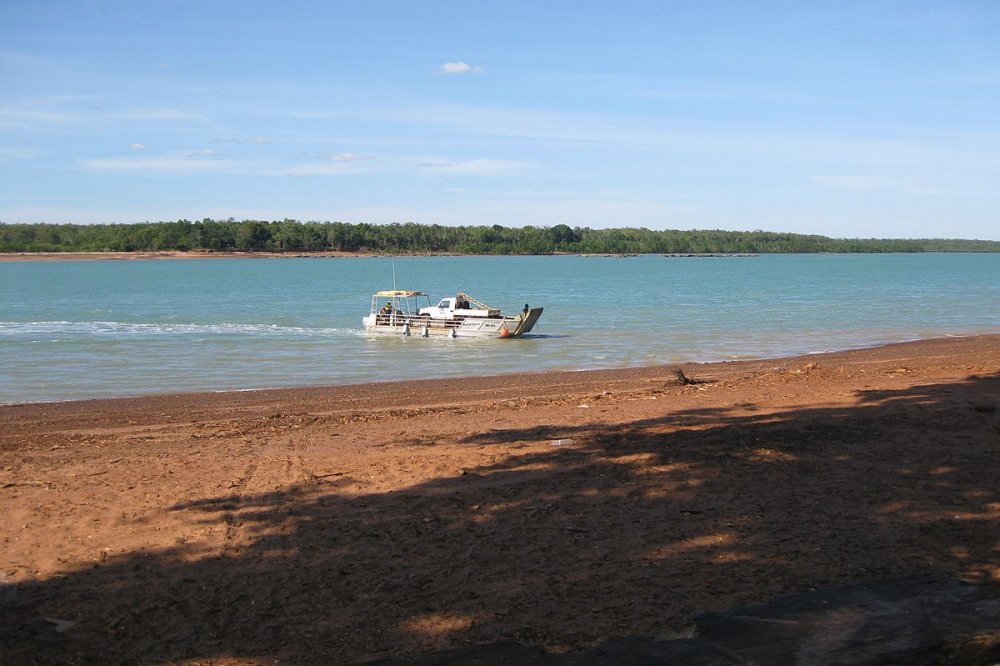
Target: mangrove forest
pixel 292 236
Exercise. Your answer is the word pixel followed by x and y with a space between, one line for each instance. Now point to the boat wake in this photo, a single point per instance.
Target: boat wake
pixel 114 329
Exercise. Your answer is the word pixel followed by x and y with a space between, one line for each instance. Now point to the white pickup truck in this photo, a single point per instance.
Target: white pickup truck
pixel 458 307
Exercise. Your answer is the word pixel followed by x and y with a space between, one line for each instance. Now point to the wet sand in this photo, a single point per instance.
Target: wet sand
pixel 334 525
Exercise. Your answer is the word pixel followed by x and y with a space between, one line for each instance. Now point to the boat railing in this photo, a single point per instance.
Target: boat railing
pixel 414 321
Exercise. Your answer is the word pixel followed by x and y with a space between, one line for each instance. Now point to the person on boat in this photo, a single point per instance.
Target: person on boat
pixel 385 312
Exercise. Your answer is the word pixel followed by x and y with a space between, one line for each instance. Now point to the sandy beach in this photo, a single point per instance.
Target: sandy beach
pixel 351 523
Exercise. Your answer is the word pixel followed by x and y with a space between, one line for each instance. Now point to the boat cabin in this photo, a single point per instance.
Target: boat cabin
pixel 397 305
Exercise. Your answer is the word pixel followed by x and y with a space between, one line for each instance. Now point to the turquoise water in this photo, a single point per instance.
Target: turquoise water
pixel 85 329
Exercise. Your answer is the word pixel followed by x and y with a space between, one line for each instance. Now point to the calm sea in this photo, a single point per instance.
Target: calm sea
pixel 86 329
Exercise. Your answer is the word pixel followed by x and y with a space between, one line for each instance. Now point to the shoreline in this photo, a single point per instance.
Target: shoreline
pixel 325 254
pixel 335 254
pixel 627 373
pixel 553 509
pixel 178 254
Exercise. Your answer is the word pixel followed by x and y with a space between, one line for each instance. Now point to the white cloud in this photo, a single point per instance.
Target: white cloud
pixel 477 167
pixel 17 153
pixel 157 115
pixel 315 115
pixel 913 185
pixel 18 117
pixel 255 140
pixel 867 183
pixel 137 146
pixel 194 163
pixel 328 164
pixel 646 132
pixel 459 68
pixel 349 157
pixel 331 166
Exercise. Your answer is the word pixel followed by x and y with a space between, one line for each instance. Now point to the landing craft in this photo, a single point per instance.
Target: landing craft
pixel 462 316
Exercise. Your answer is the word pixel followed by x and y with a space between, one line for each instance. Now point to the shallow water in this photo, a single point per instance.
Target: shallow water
pixel 84 329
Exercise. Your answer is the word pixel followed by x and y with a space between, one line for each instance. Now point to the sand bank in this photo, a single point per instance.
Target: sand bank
pixel 332 525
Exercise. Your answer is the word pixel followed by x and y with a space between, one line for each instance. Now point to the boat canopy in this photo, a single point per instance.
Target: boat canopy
pixel 399 292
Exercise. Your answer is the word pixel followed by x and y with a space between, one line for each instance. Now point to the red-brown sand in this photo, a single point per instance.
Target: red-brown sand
pixel 332 525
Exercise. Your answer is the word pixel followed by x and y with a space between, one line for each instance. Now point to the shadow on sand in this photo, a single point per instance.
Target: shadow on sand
pixel 630 531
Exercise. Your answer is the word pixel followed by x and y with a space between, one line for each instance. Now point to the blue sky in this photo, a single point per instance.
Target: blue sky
pixel 869 119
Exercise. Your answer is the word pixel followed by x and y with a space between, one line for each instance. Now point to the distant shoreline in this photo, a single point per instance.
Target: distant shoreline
pixel 307 238
pixel 173 254
pixel 334 254
pixel 322 254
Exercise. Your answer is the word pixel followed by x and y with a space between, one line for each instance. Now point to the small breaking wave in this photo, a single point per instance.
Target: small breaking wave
pixel 115 329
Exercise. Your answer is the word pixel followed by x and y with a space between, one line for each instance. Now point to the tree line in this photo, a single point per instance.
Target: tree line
pixel 410 238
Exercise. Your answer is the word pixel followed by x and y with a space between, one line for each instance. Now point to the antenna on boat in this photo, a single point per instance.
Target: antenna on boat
pixel 394 273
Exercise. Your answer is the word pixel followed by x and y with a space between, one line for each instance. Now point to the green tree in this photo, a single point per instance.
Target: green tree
pixel 252 235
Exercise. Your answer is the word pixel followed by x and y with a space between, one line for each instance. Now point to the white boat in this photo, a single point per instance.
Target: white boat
pixel 402 312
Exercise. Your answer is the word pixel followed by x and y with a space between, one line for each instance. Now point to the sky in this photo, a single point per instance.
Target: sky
pixel 846 119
